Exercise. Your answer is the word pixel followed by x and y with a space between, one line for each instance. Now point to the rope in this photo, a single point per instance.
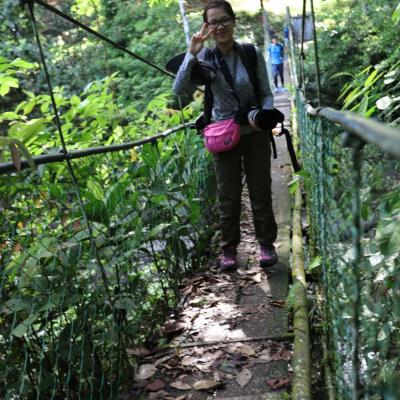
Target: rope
pixel 91 151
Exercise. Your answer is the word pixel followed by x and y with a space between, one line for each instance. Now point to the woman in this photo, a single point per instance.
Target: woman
pixel 253 150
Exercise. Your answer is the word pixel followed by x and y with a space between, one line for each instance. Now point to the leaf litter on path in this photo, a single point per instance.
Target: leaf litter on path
pixel 279 383
pixel 243 377
pixel 145 372
pixel 206 385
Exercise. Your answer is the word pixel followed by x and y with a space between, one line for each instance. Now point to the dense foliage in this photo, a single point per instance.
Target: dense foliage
pixel 90 269
pixel 359 53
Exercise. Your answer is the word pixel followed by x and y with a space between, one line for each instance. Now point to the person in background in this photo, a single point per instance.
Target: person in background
pixel 254 148
pixel 276 54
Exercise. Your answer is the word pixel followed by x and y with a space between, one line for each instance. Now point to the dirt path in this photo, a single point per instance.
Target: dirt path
pixel 220 334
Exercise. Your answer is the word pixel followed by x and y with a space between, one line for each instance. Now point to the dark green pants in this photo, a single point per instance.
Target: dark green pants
pixel 254 153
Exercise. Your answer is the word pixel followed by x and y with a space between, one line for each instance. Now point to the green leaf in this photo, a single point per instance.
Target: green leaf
pixel 115 195
pixel 9 115
pixel 364 211
pixel 15 305
pixel 6 83
pixel 388 235
pixel 19 63
pixel 396 14
pixel 156 231
pixel 294 184
pixel 372 78
pixel 27 131
pixel 315 263
pixel 363 106
pixel 95 189
pixel 21 329
pixel 75 101
pixel 97 211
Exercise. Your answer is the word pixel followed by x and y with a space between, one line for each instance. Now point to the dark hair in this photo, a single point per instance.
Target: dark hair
pixel 274 37
pixel 218 4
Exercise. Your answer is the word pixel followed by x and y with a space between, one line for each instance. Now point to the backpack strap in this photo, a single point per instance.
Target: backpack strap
pixel 208 96
pixel 248 55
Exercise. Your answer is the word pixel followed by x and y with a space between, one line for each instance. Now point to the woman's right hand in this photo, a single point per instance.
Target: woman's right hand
pixel 198 39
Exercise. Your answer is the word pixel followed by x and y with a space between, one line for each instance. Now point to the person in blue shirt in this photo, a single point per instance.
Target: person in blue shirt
pixel 275 51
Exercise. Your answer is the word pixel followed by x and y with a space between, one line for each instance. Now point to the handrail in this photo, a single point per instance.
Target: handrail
pixel 369 131
pixel 51 158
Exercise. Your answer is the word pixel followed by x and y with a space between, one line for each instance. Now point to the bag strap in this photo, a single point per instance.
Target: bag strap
pixel 208 96
pixel 291 150
pixel 226 72
pixel 248 55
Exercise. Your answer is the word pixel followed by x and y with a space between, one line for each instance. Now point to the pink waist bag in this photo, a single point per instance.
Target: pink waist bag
pixel 221 136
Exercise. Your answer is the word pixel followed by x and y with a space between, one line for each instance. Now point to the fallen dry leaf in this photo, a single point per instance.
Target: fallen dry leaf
pixel 170 327
pixel 278 303
pixel 206 385
pixel 281 355
pixel 155 386
pixel 145 371
pixel 179 385
pixel 217 376
pixel 162 359
pixel 161 395
pixel 243 377
pixel 245 349
pixel 187 290
pixel 277 384
pixel 256 278
pixel 138 351
pixel 188 361
pixel 204 368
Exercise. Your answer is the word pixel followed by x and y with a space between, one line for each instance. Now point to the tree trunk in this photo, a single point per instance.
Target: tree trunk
pixel 185 21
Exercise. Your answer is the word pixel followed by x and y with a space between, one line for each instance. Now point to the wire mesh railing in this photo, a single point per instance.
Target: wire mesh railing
pixel 351 176
pixel 73 307
pixel 353 199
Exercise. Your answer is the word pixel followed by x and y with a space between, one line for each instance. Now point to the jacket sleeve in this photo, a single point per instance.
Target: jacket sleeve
pixel 183 84
pixel 265 93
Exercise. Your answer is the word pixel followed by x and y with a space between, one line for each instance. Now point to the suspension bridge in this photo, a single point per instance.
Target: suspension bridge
pixel 127 257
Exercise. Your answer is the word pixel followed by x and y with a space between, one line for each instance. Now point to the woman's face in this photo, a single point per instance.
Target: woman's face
pixel 222 23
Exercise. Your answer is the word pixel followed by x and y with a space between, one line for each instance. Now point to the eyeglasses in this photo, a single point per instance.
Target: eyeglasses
pixel 225 22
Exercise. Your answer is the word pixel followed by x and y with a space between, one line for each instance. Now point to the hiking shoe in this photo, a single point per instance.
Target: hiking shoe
pixel 227 261
pixel 268 256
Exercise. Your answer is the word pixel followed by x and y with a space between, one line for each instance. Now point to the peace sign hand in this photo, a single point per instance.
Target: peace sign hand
pixel 198 39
